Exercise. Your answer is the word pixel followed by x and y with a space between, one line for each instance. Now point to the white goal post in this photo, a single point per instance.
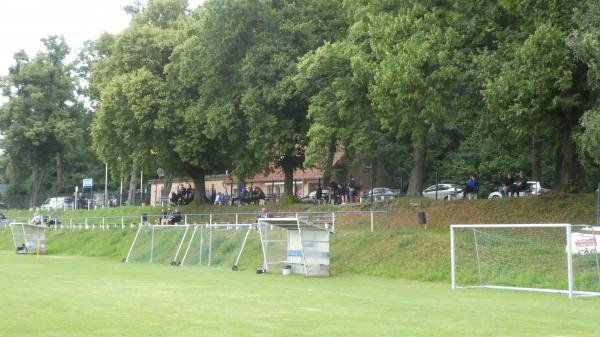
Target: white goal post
pixel 550 258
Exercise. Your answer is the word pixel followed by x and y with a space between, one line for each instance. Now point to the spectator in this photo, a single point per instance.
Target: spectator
pixel 22 249
pixel 319 194
pixel 37 219
pixel 165 216
pixel 351 189
pixel 265 213
pixel 508 186
pixel 522 185
pixel 342 193
pixel 471 187
pixel 175 217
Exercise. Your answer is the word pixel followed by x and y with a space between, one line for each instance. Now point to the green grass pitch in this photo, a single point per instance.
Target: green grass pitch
pixel 84 296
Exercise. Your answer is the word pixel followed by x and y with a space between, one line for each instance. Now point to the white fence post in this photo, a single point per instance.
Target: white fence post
pixel 122 222
pixel 86 224
pixel 333 221
pixel 371 221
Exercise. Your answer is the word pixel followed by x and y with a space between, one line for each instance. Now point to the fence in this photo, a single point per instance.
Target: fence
pixel 343 219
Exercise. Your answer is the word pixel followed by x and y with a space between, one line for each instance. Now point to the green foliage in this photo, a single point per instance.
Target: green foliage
pixel 42 117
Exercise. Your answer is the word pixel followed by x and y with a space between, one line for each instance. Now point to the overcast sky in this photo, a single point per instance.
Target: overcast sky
pixel 24 22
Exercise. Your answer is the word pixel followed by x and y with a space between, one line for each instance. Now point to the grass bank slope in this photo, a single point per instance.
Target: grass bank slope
pixel 398 248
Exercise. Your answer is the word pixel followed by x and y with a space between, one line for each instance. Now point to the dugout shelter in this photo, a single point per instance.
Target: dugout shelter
pixel 295 245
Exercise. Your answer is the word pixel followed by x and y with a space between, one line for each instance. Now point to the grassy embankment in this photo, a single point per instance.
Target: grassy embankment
pixel 398 247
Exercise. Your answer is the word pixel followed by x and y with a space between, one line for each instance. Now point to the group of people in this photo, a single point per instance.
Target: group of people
pixel 514 186
pixel 169 217
pixel 338 193
pixel 183 196
pixel 250 196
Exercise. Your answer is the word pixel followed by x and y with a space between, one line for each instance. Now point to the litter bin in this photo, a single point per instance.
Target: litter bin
pixel 422 218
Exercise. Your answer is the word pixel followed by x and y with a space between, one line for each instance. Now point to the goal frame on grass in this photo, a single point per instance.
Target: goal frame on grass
pixel 568 250
pixel 34 238
pixel 151 227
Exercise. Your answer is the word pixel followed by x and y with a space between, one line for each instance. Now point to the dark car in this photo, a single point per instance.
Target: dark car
pixel 381 193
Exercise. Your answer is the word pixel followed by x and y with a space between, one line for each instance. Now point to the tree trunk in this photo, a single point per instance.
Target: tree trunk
pixel 59 171
pixel 571 172
pixel 329 164
pixel 419 156
pixel 37 178
pixel 15 176
pixel 166 191
pixel 132 184
pixel 200 186
pixel 288 180
pixel 536 160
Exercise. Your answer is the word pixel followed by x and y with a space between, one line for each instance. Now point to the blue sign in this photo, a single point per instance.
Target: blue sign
pixel 87 182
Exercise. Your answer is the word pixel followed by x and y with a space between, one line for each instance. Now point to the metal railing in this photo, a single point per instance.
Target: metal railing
pixel 348 219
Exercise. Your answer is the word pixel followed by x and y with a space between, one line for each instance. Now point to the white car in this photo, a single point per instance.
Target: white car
pixel 444 192
pixel 535 188
pixel 312 196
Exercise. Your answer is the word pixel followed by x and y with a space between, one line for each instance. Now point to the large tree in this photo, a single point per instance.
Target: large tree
pixel 129 78
pixel 540 88
pixel 272 104
pixel 39 121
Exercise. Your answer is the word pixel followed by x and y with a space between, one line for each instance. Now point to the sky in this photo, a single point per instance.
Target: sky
pixel 24 22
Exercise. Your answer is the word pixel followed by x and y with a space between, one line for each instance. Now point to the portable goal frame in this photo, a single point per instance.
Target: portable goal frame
pixel 568 249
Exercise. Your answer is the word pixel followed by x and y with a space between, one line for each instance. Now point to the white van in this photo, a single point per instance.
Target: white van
pixel 55 203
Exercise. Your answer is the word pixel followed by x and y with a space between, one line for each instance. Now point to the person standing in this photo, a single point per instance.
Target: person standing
pixel 319 194
pixel 522 185
pixel 351 189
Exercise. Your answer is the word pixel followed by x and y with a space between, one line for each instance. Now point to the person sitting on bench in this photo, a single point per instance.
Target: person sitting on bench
pixel 175 217
pixel 22 249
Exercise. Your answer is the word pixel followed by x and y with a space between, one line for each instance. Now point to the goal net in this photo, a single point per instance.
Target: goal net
pixel 556 258
pixel 158 244
pixel 28 239
pixel 222 246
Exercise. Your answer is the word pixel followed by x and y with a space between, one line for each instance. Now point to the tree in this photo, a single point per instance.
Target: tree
pixel 420 82
pixel 584 41
pixel 128 77
pixel 540 88
pixel 39 120
pixel 273 106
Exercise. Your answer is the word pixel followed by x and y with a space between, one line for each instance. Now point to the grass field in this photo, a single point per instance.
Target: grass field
pixel 91 296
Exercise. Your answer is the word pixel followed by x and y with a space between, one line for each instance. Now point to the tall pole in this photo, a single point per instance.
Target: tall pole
pixel 105 184
pixel 121 193
pixel 141 187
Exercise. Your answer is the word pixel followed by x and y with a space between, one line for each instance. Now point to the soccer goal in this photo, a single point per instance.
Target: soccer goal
pixel 221 246
pixel 28 239
pixel 158 244
pixel 552 258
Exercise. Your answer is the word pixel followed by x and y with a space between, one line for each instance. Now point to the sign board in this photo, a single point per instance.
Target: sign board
pixel 585 243
pixel 87 182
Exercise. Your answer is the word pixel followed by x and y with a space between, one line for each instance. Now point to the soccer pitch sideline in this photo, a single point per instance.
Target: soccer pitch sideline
pixel 85 296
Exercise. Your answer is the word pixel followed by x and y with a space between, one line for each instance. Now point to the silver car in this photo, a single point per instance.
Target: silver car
pixel 533 188
pixel 444 192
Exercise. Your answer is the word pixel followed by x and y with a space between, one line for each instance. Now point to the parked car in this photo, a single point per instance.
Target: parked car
pixel 535 188
pixel 55 203
pixel 444 192
pixel 381 193
pixel 312 196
